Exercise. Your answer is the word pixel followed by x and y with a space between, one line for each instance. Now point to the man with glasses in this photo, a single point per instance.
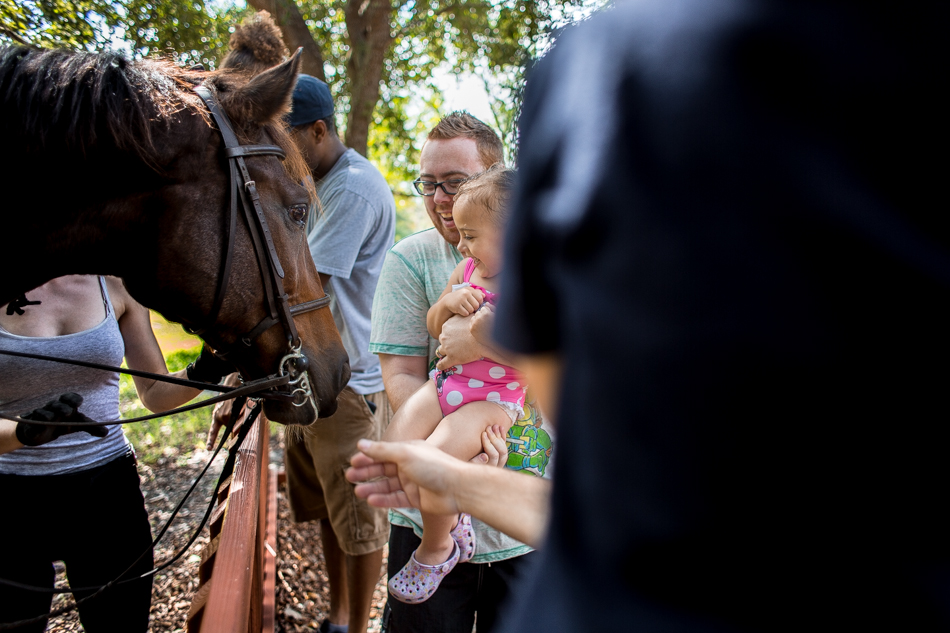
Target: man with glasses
pixel 413 277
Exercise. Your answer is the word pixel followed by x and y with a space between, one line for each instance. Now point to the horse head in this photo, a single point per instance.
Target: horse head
pixel 143 173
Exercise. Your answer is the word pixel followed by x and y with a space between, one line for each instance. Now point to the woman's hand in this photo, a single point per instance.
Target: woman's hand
pixel 409 474
pixel 223 412
pixel 63 409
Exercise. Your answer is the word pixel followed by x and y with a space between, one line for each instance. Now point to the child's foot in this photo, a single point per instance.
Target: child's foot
pixel 464 535
pixel 416 583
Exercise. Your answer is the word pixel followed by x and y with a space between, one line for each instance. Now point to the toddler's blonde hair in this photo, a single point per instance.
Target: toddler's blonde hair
pixel 490 189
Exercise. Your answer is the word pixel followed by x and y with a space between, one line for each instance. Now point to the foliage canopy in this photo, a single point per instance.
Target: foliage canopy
pixel 379 56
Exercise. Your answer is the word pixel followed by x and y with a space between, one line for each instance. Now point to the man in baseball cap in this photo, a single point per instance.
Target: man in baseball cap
pixel 312 101
pixel 348 236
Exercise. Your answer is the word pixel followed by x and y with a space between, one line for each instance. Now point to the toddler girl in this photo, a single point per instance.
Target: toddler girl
pixel 460 405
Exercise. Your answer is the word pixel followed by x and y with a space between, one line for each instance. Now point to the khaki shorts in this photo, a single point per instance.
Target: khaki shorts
pixel 315 461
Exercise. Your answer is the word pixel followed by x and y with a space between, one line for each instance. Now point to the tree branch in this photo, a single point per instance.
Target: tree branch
pixel 416 19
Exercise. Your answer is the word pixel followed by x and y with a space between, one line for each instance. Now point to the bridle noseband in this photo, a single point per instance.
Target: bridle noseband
pixel 243 189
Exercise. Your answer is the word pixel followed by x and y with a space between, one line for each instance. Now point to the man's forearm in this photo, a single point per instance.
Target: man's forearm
pixel 514 503
pixel 400 387
pixel 402 376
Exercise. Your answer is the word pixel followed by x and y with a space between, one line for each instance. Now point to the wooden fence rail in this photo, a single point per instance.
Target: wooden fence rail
pixel 236 576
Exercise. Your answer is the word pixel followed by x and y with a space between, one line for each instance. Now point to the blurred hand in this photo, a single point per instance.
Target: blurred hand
pixel 63 409
pixel 406 474
pixel 224 412
pixel 481 324
pixel 414 474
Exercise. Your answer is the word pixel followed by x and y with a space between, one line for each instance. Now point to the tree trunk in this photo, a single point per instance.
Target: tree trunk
pixel 295 32
pixel 370 37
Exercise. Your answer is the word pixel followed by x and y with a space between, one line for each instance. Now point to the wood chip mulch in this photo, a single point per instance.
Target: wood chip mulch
pixel 303 593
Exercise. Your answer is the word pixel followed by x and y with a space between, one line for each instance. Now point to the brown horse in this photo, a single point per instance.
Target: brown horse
pixel 114 167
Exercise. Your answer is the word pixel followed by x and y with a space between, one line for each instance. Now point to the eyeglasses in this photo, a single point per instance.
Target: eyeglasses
pixel 427 188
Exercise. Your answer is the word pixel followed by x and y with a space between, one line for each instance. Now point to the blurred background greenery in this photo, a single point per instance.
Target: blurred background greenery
pixel 177 436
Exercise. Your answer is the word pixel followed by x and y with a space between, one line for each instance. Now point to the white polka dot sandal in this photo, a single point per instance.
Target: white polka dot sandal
pixel 464 535
pixel 415 583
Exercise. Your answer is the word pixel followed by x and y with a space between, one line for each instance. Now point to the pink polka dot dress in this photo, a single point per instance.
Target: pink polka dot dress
pixel 480 380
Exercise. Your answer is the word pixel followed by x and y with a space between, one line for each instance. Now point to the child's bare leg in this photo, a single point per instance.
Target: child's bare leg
pixel 417 418
pixel 458 434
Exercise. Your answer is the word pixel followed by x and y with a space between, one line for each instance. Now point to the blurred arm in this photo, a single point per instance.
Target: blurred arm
pixel 421 476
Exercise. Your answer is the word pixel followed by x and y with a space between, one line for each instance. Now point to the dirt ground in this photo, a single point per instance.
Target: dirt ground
pixel 303 593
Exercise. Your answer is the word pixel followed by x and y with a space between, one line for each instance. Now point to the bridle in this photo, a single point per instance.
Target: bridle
pixel 243 193
pixel 292 369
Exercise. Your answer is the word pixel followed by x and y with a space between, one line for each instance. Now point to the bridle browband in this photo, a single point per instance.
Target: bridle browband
pixel 243 192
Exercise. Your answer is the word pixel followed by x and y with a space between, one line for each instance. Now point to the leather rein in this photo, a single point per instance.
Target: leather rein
pixel 292 369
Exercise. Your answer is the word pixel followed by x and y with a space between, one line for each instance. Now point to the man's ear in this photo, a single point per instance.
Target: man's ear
pixel 319 131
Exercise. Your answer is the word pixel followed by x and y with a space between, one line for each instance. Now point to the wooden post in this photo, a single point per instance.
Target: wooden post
pixel 237 561
pixel 268 613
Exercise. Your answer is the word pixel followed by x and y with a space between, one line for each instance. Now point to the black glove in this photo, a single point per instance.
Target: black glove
pixel 63 409
pixel 209 368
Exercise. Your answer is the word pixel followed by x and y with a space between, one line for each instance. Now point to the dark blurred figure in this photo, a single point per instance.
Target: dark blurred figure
pixel 729 235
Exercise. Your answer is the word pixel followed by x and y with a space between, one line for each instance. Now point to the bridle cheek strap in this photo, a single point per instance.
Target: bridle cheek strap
pixel 279 310
pixel 243 190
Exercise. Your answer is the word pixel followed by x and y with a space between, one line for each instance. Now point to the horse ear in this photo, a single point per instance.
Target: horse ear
pixel 268 94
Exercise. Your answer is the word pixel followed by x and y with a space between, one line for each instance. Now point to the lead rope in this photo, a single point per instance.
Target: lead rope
pixel 283 377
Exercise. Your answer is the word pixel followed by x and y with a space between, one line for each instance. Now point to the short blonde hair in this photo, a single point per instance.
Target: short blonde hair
pixel 490 189
pixel 461 124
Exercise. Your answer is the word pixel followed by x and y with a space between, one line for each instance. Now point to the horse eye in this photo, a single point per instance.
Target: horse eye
pixel 298 213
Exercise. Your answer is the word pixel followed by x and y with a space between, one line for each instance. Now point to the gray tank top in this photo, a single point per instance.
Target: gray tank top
pixel 26 384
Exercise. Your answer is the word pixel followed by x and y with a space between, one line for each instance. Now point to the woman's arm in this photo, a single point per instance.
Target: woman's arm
pixel 462 302
pixel 8 440
pixel 415 474
pixel 143 353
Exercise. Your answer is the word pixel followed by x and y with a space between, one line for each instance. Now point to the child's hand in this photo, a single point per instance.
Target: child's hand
pixel 464 301
pixel 494 448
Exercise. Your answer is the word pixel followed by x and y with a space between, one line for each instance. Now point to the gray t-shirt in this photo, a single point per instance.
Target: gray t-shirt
pixel 26 384
pixel 348 241
pixel 414 275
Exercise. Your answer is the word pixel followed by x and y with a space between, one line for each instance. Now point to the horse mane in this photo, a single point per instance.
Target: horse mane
pixel 71 100
pixel 255 44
